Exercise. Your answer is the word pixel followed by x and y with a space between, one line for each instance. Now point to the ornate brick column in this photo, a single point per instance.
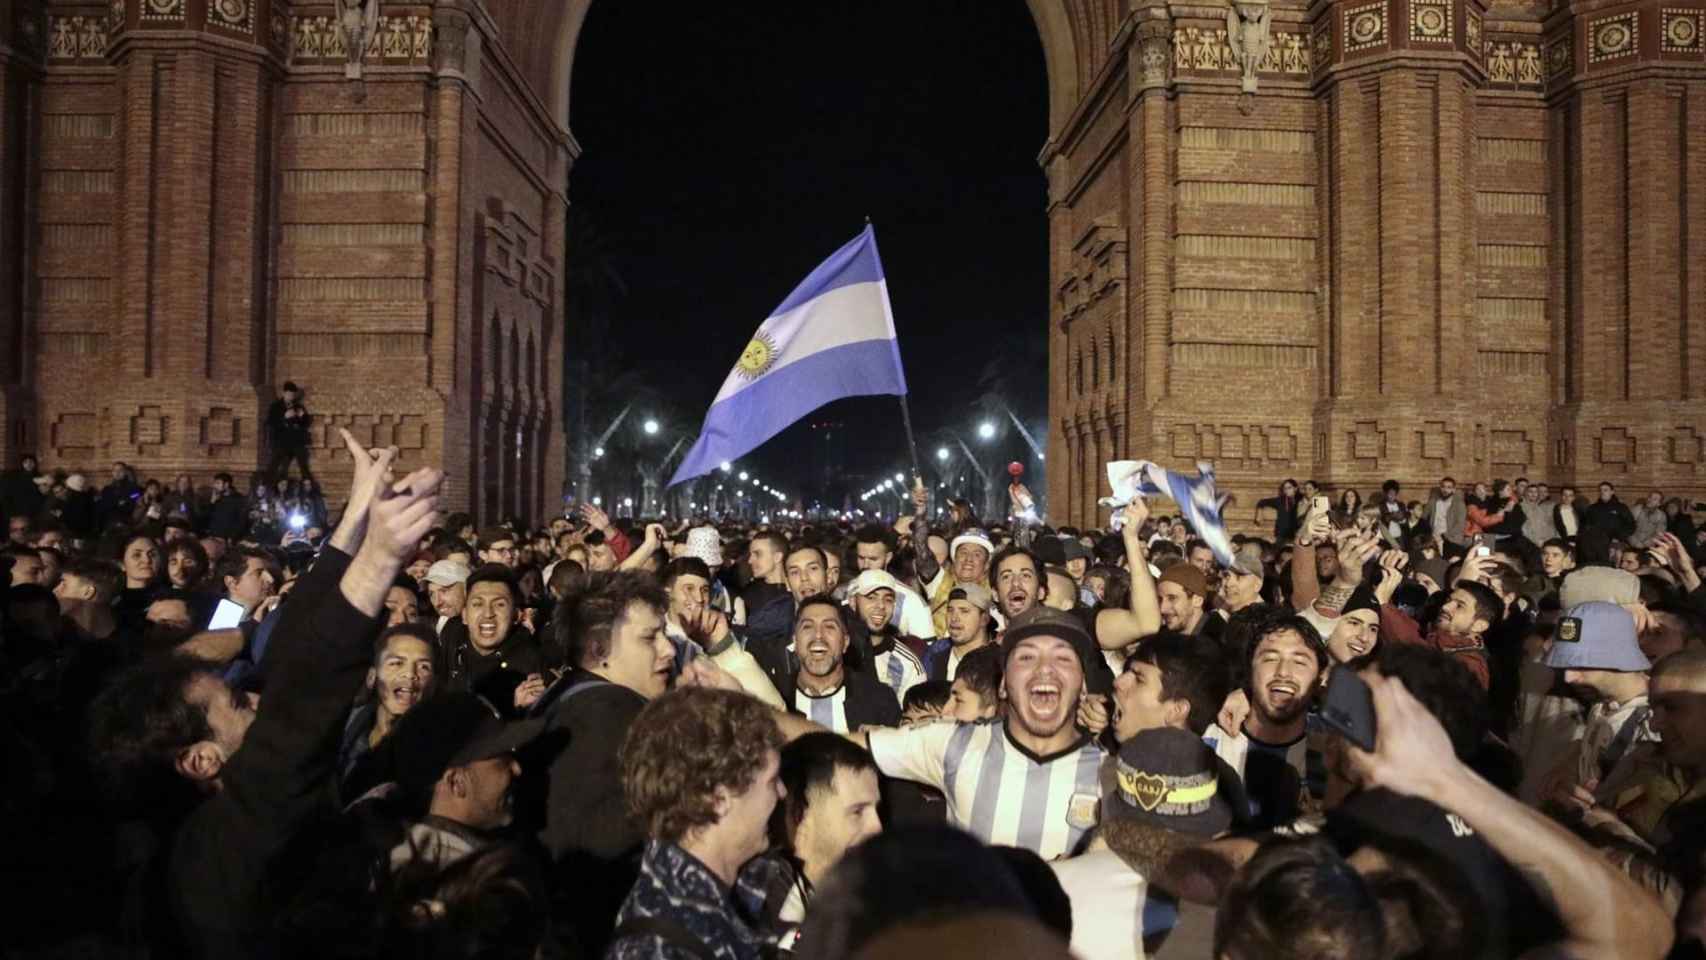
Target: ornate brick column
pixel 188 234
pixel 1397 82
pixel 23 46
pixel 1627 90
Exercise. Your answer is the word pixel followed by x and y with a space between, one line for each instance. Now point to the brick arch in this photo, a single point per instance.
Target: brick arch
pixel 543 35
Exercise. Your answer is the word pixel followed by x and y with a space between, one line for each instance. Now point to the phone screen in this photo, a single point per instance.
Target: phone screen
pixel 228 614
pixel 1349 708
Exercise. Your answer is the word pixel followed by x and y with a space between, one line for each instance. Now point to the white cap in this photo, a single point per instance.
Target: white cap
pixel 446 573
pixel 869 580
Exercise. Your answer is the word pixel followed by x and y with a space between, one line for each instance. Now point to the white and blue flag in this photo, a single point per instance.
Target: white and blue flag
pixel 832 337
pixel 1198 502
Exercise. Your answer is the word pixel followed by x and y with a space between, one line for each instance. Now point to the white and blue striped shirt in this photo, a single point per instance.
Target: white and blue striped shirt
pixel 997 790
pixel 899 669
pixel 828 711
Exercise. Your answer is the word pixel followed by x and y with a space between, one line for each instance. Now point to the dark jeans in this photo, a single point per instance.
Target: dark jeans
pixel 281 458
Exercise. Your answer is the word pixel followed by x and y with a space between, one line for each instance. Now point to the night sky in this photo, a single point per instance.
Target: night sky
pixel 730 149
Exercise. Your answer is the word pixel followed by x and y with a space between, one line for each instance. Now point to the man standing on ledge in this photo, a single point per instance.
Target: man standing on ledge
pixel 287 425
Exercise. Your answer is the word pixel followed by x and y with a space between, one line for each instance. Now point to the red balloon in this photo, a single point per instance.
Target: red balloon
pixel 1016 469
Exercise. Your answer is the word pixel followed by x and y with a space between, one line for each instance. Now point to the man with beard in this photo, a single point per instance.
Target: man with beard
pixel 1469 611
pixel 873 549
pixel 873 594
pixel 1028 779
pixel 825 687
pixel 403 671
pixel 456 769
pixel 1287 661
pixel 1182 592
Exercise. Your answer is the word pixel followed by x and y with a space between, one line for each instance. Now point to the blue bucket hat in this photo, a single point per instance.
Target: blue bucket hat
pixel 1597 636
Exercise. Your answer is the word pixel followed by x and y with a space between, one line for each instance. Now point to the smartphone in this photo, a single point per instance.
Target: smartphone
pixel 228 614
pixel 1349 708
pixel 1482 550
pixel 1321 504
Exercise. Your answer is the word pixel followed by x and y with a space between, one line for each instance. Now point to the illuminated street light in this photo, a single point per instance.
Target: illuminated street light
pixel 986 430
pixel 598 501
pixel 941 453
pixel 726 467
pixel 651 426
pixel 1040 457
pixel 597 452
pixel 627 501
pixel 898 478
pixel 743 476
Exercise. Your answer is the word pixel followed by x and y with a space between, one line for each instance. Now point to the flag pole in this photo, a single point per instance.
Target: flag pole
pixel 911 444
pixel 906 420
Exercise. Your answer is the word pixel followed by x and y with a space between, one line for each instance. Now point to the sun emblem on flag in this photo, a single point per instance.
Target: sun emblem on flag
pixel 757 357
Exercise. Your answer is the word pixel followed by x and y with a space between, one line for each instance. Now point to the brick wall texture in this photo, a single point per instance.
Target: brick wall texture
pixel 1439 237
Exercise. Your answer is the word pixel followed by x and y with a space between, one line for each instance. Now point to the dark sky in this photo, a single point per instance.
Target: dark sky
pixel 729 148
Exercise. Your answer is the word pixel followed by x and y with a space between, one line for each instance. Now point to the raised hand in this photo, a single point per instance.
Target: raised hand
pixel 373 472
pixel 528 692
pixel 1411 749
pixel 1132 517
pixel 702 672
pixel 595 518
pixel 403 514
pixel 1093 713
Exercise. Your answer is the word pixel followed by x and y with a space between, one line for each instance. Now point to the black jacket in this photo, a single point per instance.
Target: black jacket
pixel 870 702
pixel 1612 516
pixel 287 434
pixel 592 838
pixel 228 517
pixel 283 775
pixel 495 675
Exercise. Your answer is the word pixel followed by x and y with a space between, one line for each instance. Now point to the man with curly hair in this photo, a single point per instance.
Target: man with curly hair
pixel 701 769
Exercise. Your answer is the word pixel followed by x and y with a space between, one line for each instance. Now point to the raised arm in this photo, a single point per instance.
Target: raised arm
pixel 923 561
pixel 1116 629
pixel 1604 913
pixel 1305 584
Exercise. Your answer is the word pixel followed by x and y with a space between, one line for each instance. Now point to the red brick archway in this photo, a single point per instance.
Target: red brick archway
pixel 1443 236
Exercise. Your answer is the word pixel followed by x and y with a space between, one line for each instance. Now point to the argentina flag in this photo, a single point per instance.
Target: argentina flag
pixel 1198 502
pixel 832 337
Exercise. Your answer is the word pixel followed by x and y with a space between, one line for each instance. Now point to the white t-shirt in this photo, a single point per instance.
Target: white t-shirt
pixel 1107 905
pixel 996 790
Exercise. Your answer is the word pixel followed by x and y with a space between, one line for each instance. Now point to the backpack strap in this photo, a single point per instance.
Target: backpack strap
pixel 665 929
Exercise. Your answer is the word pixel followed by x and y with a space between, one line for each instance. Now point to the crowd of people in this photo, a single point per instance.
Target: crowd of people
pixel 236 725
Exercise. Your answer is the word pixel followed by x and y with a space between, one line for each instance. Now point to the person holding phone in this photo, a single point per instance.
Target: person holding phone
pixel 287 423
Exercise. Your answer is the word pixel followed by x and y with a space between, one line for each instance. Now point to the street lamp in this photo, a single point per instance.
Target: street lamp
pixel 942 453
pixel 986 430
pixel 597 453
pixel 743 476
pixel 651 427
pixel 726 466
pixel 898 478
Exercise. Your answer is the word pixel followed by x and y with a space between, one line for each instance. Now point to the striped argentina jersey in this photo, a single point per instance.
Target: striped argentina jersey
pixel 997 790
pixel 828 711
pixel 899 669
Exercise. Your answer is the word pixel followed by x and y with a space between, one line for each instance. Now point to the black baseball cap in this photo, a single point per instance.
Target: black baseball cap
pixel 452 729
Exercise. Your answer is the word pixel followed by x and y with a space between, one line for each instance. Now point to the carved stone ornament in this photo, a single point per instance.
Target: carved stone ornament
pixel 1155 53
pixel 1248 34
pixel 358 22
